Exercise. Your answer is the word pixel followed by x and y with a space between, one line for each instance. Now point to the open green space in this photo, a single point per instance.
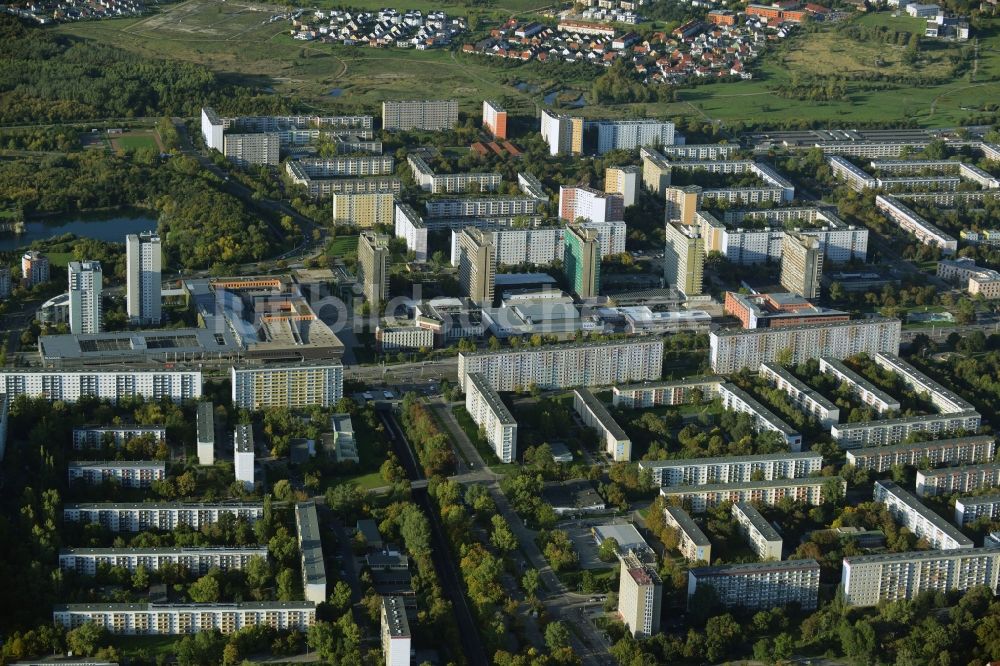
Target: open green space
pixel 152 646
pixel 136 142
pixel 341 245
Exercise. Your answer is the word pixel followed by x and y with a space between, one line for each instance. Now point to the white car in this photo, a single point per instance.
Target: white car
pixel 388 395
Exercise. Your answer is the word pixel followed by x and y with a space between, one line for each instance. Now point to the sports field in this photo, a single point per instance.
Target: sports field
pixel 136 141
pixel 237 40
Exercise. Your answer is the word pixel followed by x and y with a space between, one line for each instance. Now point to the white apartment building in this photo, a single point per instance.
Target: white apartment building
pixel 738 400
pixel 512 247
pixel 655 394
pixel 301 171
pixel 85 287
pixel 419 114
pixel 951 480
pixel 595 415
pixel 692 542
pixel 961 450
pixel 450 183
pixel 859 387
pixel 640 596
pixel 396 638
pixel 311 552
pixel 206 433
pixel 970 509
pixel 702 498
pixel 732 469
pixel 489 412
pixel 71 385
pixel 731 350
pixel 395 334
pixel 631 134
pixel 293 386
pixel 800 394
pixel 624 181
pixel 244 454
pixel 856 178
pixel 945 400
pixel 923 522
pixel 563 134
pixel 894 431
pixel 926 233
pixel 589 204
pixel 252 148
pixel 761 586
pixel 869 580
pixel 179 619
pixel 760 535
pixel 481 206
pixel 34 268
pixel 567 365
pixel 166 516
pixel 410 226
pixel 93 437
pixel 611 235
pixel 197 561
pixel 126 473
pixel 696 151
pixel 143 262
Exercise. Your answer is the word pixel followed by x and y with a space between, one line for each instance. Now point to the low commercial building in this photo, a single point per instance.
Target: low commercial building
pixel 860 387
pixel 341 443
pixel 125 473
pixel 951 480
pixel 393 334
pixel 395 631
pixel 311 552
pixel 738 400
pixel 287 385
pixel 656 394
pixel 760 535
pixel 94 437
pixel 165 516
pixel 179 619
pixel 702 498
pixel 732 469
pixel 732 350
pixel 594 414
pixel 895 431
pixel 112 385
pixel 956 451
pixel 640 596
pixel 196 561
pixel 576 497
pixel 800 394
pixel 206 433
pixel 868 580
pixel 923 522
pixel 489 412
pixel 625 534
pixel 778 309
pixel 692 542
pixel 970 509
pixel 567 365
pixel 760 586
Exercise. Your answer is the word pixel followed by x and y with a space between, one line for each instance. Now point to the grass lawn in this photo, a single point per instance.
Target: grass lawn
pixel 154 645
pixel 341 245
pixel 136 142
pixel 472 432
pixel 60 259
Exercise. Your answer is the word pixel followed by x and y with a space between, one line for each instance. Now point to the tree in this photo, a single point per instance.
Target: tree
pixel 557 636
pixel 340 598
pixel 283 490
pixel 140 579
pixel 530 582
pixel 722 632
pixel 86 639
pixel 206 589
pixel 608 552
pixel 286 585
pixel 258 573
pixel 503 538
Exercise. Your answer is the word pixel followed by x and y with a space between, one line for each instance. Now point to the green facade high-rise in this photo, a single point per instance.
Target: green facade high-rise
pixel 582 261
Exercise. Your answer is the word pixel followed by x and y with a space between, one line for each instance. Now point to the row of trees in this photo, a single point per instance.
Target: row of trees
pixel 431 444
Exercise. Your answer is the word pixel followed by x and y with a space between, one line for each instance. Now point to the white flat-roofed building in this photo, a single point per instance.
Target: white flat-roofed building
pixel 738 400
pixel 197 560
pixel 732 469
pixel 419 114
pixel 610 235
pixel 112 385
pixel 341 440
pixel 395 628
pixel 760 586
pixel 923 522
pixel 868 580
pixel 856 178
pixel 567 365
pixel 692 542
pixel 732 350
pixel 640 596
pixel 762 537
pixel 143 262
pixel 93 437
pixel 945 400
pixel 311 552
pixel 894 431
pixel 590 204
pixel 951 480
pixel 519 246
pixel 244 454
pixel 970 509
pixel 489 412
pixel 961 450
pixel 410 226
pixel 294 386
pixel 623 180
pixel 393 334
pixel 506 206
pixel 594 414
pixel 926 233
pixel 656 394
pixel 206 433
pixel 144 516
pixel 860 387
pixel 179 619
pixel 801 395
pixel 126 473
pixel 631 134
pixel 702 498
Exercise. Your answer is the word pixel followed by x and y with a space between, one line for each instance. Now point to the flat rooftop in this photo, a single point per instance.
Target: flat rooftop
pixel 755 568
pixel 201 550
pixel 923 555
pixel 927 514
pixel 121 464
pixel 758 521
pixel 746 485
pixel 601 413
pixel 961 469
pixel 394 611
pixel 727 460
pixel 688 526
pixel 492 399
pixel 163 506
pixel 916 446
pixel 243 438
pixel 152 608
pixel 206 422
pixel 731 332
pixel 689 381
pixel 307 522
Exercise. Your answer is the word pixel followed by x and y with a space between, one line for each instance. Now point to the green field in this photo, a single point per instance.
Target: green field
pixel 236 41
pixel 136 142
pixel 341 245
